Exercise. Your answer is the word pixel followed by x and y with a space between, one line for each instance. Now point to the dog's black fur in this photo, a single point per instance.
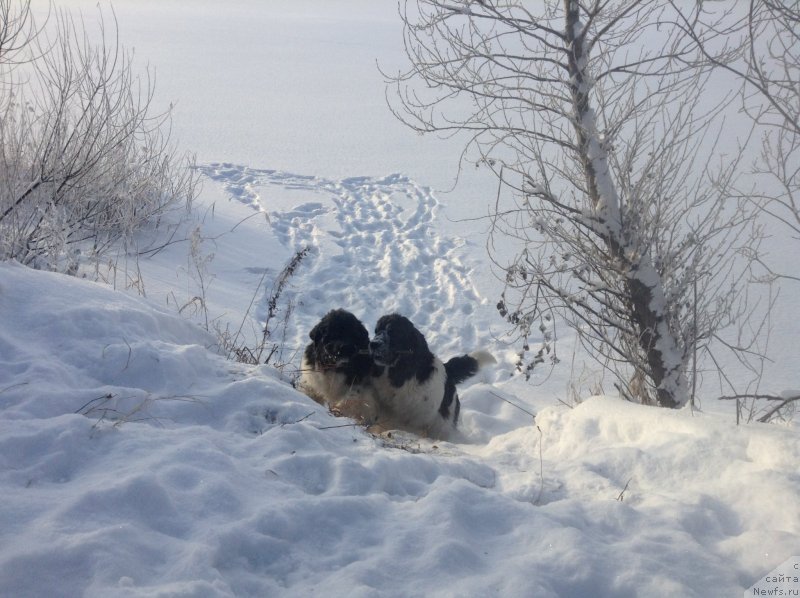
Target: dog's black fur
pixel 337 368
pixel 392 381
pixel 340 342
pixel 417 389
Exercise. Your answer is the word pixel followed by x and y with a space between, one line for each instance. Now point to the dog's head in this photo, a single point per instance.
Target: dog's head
pixel 397 344
pixel 337 340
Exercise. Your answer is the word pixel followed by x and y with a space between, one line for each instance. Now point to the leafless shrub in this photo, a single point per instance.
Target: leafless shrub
pixel 114 410
pixel 764 408
pixel 268 346
pixel 84 161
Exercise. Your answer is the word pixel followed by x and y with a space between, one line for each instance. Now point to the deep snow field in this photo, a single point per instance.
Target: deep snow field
pixel 135 460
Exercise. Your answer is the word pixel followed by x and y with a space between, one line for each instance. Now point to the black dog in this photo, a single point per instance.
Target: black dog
pixel 337 369
pixel 417 392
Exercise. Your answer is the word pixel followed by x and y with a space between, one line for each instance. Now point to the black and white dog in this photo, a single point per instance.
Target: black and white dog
pixel 337 369
pixel 416 391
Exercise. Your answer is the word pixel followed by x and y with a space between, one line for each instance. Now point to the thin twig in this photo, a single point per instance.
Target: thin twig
pixel 339 426
pixel 541 467
pixel 302 419
pixel 621 496
pixel 513 404
pixel 2 390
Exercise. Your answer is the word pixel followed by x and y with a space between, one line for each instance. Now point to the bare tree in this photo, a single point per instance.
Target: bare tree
pixel 593 118
pixel 83 161
pixel 766 60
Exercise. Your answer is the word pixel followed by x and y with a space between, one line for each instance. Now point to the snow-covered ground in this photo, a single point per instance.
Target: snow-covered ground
pixel 137 461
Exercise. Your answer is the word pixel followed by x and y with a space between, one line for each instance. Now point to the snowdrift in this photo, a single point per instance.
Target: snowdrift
pixel 135 461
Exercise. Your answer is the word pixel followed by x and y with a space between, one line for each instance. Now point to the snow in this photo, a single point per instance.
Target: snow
pixel 222 480
pixel 135 460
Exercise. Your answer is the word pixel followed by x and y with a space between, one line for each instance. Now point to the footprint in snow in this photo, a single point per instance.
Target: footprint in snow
pixel 376 249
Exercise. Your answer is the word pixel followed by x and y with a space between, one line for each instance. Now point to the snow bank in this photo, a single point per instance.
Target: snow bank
pixel 224 481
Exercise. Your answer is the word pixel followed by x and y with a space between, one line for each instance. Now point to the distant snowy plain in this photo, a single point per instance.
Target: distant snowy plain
pixel 137 461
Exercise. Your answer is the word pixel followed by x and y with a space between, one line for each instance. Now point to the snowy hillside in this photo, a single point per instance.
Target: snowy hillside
pixel 137 460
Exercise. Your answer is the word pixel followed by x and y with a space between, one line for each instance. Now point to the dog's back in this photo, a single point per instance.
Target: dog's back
pixel 417 391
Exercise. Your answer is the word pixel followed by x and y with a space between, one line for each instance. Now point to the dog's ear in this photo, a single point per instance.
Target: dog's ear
pixel 318 331
pixel 361 335
pixel 383 321
pixel 420 342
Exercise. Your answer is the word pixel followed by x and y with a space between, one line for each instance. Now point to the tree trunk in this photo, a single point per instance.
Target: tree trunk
pixel 641 281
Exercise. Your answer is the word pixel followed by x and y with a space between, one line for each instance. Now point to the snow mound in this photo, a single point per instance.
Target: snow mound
pixel 201 477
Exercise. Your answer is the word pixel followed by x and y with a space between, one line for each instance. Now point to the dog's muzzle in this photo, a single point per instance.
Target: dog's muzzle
pixel 379 349
pixel 337 354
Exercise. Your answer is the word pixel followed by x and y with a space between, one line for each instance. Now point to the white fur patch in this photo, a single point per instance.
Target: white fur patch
pixel 415 405
pixel 330 388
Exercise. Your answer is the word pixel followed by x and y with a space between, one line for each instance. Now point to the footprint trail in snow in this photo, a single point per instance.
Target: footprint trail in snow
pixel 374 249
